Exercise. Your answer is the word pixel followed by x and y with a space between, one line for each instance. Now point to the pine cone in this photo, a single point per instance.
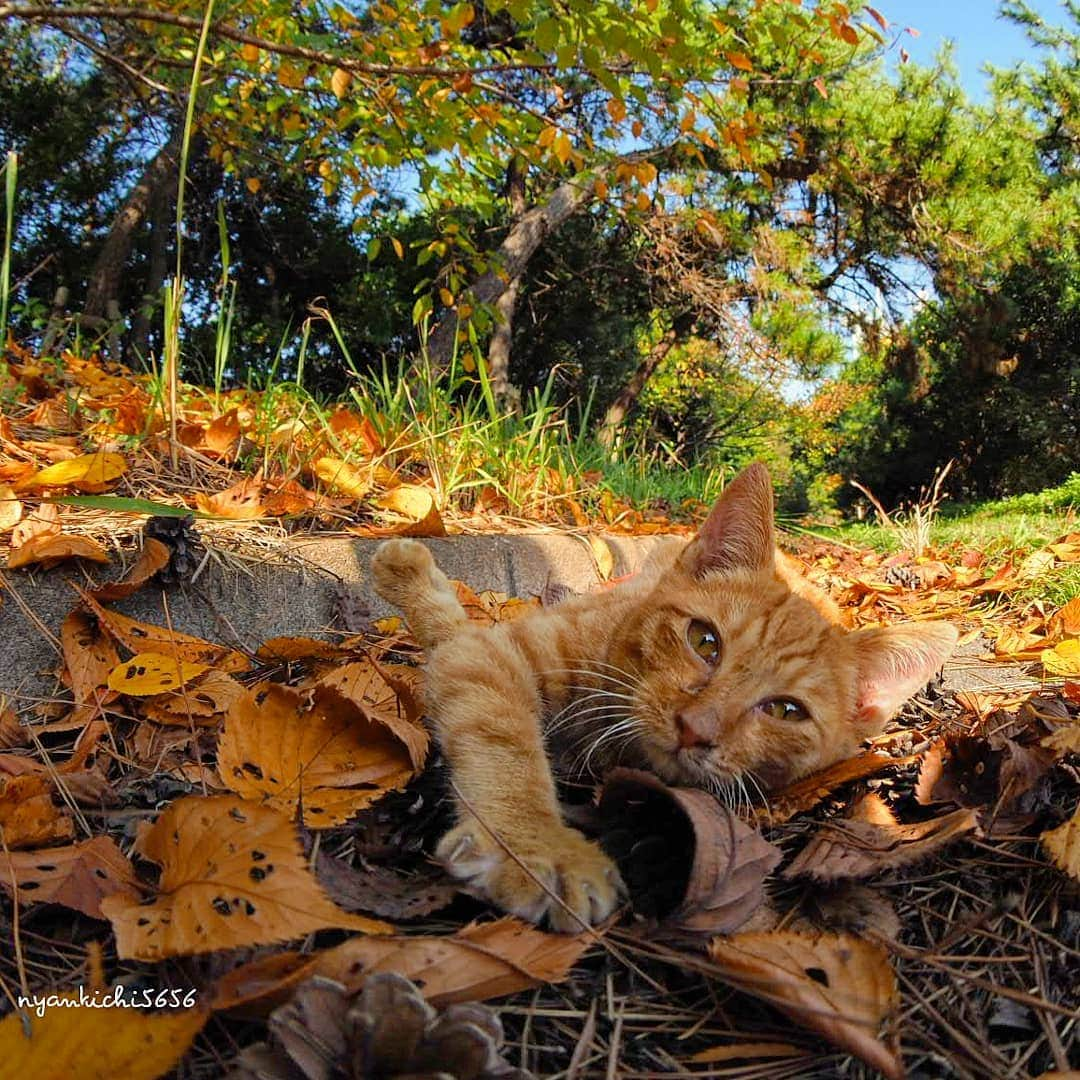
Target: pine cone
pixel 386 1032
pixel 903 576
pixel 179 535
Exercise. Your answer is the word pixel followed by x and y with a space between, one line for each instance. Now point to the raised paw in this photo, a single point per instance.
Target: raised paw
pixel 400 564
pixel 561 864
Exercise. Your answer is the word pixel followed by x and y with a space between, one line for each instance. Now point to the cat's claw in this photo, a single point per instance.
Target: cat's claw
pixel 562 865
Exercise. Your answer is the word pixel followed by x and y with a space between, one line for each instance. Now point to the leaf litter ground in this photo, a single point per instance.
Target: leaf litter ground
pixel 187 814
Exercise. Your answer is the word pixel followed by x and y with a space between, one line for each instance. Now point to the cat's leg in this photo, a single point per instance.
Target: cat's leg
pixel 406 576
pixel 510 844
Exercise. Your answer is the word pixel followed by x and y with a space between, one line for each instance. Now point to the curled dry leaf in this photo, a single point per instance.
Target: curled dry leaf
pixel 153 557
pixel 45 520
pixel 241 502
pixel 710 865
pixel 78 876
pixel 1065 740
pixel 50 549
pixel 97 1043
pixel 90 655
pixel 417 504
pixel 284 649
pixel 203 701
pixel 232 874
pixel 11 509
pixel 859 848
pixel 28 817
pixel 808 792
pixel 150 673
pixel 834 984
pixel 1063 658
pixel 1063 845
pixel 854 909
pixel 481 961
pixel 145 637
pixel 352 480
pixel 385 892
pixel 260 985
pixel 331 759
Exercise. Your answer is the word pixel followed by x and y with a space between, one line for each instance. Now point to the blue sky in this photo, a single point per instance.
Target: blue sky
pixel 979 35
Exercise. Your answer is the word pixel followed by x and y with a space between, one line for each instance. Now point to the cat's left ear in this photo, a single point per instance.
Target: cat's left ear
pixel 738 533
pixel 893 662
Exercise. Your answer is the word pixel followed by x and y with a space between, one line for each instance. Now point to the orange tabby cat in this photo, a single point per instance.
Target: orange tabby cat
pixel 716 667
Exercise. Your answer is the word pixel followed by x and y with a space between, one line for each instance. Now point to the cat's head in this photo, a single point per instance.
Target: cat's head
pixel 741 669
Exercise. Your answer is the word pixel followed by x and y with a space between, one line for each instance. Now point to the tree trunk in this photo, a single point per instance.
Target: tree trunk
pixel 157 268
pixel 624 401
pixel 507 396
pixel 108 272
pixel 521 243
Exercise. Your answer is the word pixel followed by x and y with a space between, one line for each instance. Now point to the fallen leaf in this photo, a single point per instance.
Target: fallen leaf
pixel 962 769
pixel 102 1043
pixel 834 984
pixel 352 480
pixel 417 504
pixel 852 908
pixel 808 792
pixel 90 655
pixel 395 704
pixel 746 1051
pixel 265 982
pixel 149 673
pixel 233 875
pixel 78 876
pixel 1063 658
pixel 332 759
pixel 203 701
pixel 284 649
pixel 145 637
pixel 857 849
pixel 28 818
pixel 11 509
pixel 12 732
pixel 1065 740
pixel 385 892
pixel 45 520
pixel 603 556
pixel 481 961
pixel 1063 845
pixel 710 865
pixel 1067 619
pixel 88 472
pixel 241 502
pixel 154 557
pixel 51 549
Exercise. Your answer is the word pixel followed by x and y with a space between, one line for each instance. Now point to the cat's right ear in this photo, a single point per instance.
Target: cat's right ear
pixel 738 533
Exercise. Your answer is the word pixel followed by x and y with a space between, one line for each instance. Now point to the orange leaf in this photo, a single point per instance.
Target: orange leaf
pixel 28 817
pixel 53 548
pixel 479 962
pixel 154 557
pixel 241 502
pixel 89 655
pixel 740 60
pixel 808 792
pixel 233 875
pixel 11 510
pixel 78 877
pixel 331 760
pixel 201 702
pixel 834 984
pixel 416 503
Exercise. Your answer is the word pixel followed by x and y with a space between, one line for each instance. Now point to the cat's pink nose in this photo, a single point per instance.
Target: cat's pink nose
pixel 695 727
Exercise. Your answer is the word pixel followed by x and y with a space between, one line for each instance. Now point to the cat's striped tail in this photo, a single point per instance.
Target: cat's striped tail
pixel 406 576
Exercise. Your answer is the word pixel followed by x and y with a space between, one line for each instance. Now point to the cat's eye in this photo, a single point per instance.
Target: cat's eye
pixel 704 640
pixel 783 708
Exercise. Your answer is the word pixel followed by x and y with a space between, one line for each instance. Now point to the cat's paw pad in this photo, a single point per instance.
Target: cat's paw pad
pixel 560 863
pixel 400 563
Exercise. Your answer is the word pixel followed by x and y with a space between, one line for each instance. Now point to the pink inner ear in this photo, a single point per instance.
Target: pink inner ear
pixel 894 663
pixel 738 533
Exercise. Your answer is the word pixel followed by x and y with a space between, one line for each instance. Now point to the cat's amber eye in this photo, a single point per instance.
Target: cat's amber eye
pixel 704 640
pixel 783 708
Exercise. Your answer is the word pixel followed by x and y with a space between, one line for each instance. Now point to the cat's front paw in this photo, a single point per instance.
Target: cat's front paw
pixel 561 863
pixel 398 565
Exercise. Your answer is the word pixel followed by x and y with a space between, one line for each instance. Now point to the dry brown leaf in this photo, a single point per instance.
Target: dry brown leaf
pixel 748 1051
pixel 28 818
pixel 481 961
pixel 1065 740
pixel 284 649
pixel 145 637
pixel 331 759
pixel 232 874
pixel 856 849
pixel 44 521
pixel 389 695
pixel 149 673
pixel 12 732
pixel 50 549
pixel 89 655
pixel 417 504
pixel 719 862
pixel 154 557
pixel 1063 845
pixel 808 792
pixel 78 876
pixel 854 909
pixel 241 502
pixel 11 509
pixel 834 984
pixel 384 892
pixel 263 984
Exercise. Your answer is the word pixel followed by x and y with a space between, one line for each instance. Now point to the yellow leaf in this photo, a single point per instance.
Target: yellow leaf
pixel 399 251
pixel 151 673
pixel 1063 845
pixel 603 556
pixel 86 471
pixel 349 479
pixel 340 82
pixel 447 297
pixel 739 60
pixel 561 148
pixel 546 137
pixel 250 53
pixel 390 625
pixel 11 510
pixel 97 1043
pixel 1063 658
pixel 253 183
